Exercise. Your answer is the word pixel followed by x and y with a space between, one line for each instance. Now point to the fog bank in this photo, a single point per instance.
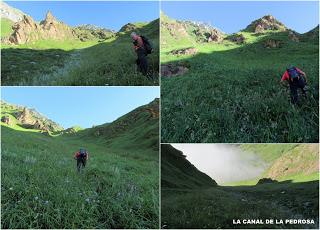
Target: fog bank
pixel 223 163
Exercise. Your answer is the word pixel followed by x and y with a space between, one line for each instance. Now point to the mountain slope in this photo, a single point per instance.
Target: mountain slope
pixel 218 207
pixel 178 172
pixel 10 13
pixel 137 129
pixel 237 97
pixel 118 189
pixel 23 117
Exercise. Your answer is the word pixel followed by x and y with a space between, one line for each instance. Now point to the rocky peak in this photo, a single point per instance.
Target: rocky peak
pixel 25 116
pixel 49 21
pixel 266 23
pixel 50 17
pixel 27 30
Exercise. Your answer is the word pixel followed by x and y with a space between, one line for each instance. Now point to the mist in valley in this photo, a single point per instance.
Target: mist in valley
pixel 223 163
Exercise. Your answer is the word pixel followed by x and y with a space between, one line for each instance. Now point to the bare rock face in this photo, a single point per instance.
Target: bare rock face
pixel 27 30
pixel 293 36
pixel 271 43
pixel 186 51
pixel 265 23
pixel 38 125
pixel 215 36
pixel 171 70
pixel 175 29
pixel 24 31
pixel 237 38
pixel 6 120
pixel 25 117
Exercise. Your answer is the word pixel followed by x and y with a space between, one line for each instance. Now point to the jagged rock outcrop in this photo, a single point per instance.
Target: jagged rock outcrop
pixel 215 36
pixel 176 29
pixel 27 30
pixel 272 43
pixel 88 32
pixel 293 36
pixel 237 38
pixel 31 119
pixel 153 109
pixel 266 23
pixel 6 120
pixel 185 51
pixel 171 70
pixel 25 117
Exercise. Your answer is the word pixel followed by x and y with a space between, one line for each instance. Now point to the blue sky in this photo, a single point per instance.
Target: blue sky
pixel 84 106
pixel 111 15
pixel 231 17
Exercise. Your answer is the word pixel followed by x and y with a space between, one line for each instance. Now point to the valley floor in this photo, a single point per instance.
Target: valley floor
pixel 218 207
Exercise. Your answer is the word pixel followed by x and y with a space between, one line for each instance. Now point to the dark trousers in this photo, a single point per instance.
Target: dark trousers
pixel 294 86
pixel 142 61
pixel 81 162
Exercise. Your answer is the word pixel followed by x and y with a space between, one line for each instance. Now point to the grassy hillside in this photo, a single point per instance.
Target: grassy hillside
pixel 89 61
pixel 138 129
pixel 218 206
pixel 6 27
pixel 177 172
pixel 231 92
pixel 41 188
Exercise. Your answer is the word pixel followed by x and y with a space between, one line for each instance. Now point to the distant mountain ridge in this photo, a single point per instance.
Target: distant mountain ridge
pixel 203 32
pixel 25 29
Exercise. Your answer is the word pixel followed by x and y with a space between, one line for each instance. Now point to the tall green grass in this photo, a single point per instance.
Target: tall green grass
pixel 42 189
pixel 232 93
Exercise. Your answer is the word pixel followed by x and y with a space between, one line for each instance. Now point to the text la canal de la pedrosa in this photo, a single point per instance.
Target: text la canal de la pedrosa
pixel 272 221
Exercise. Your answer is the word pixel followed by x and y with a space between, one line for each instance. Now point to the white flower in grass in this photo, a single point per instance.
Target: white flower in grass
pixel 10 188
pixel 88 200
pixel 36 198
pixel 46 202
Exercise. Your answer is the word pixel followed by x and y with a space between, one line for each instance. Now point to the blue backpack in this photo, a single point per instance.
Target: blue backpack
pixel 293 73
pixel 83 153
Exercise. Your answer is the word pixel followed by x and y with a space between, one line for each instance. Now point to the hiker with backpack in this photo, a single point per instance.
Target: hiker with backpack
pixel 81 156
pixel 142 47
pixel 297 79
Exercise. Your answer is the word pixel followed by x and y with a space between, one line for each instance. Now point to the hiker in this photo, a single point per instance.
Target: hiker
pixel 142 47
pixel 81 156
pixel 297 79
